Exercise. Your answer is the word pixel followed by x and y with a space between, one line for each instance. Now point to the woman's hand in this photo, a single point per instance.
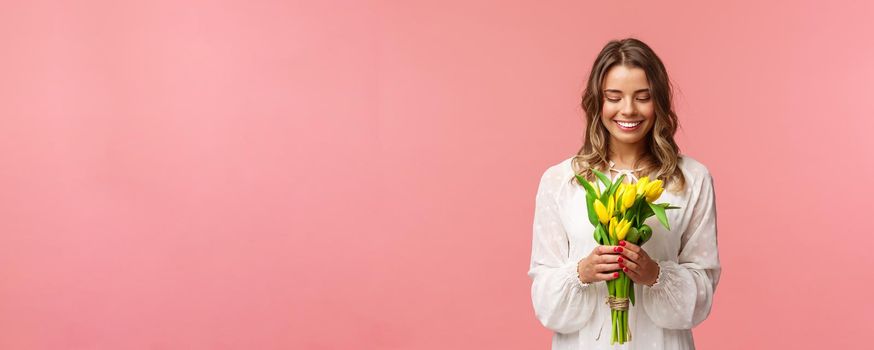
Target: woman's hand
pixel 600 264
pixel 637 264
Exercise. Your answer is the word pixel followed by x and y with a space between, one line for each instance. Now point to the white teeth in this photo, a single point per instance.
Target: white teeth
pixel 628 125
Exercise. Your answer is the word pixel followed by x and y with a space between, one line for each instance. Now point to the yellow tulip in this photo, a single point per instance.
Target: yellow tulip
pixel 622 229
pixel 601 210
pixel 612 229
pixel 641 184
pixel 611 206
pixel 628 197
pixel 654 190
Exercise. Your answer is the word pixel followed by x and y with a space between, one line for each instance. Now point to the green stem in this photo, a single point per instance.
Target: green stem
pixel 625 326
pixel 630 290
pixel 624 319
pixel 613 326
pixel 620 312
pixel 619 325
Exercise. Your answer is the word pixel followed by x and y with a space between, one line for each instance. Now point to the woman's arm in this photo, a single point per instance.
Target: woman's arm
pixel 682 296
pixel 562 302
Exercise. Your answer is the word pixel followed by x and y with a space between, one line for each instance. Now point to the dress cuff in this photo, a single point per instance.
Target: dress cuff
pixel 573 273
pixel 662 277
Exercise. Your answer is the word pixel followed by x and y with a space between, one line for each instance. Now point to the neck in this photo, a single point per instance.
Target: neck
pixel 626 155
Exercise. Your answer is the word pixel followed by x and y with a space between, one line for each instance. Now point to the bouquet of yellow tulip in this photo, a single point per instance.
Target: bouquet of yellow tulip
pixel 618 213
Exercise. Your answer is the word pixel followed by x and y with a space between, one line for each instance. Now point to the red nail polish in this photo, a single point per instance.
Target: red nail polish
pixel 616 274
pixel 619 249
pixel 625 269
pixel 622 266
pixel 622 243
pixel 620 259
pixel 615 249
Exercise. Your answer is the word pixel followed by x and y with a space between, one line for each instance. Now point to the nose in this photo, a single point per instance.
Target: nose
pixel 628 107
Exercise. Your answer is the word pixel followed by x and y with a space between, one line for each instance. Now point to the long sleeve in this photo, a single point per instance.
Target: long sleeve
pixel 562 302
pixel 682 296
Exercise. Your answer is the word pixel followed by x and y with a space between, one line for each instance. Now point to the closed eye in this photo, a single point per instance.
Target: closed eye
pixel 617 99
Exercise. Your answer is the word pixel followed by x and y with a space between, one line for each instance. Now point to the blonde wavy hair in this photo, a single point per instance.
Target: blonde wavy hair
pixel 662 156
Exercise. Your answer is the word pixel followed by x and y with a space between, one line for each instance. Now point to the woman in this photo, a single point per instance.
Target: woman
pixel 630 130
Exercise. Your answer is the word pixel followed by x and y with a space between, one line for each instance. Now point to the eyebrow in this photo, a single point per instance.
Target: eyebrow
pixel 620 91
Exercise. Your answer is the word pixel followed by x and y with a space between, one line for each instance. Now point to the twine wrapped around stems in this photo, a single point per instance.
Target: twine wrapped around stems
pixel 617 303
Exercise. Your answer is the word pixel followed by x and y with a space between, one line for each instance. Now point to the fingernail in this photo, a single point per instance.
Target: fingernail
pixel 620 259
pixel 625 269
pixel 621 266
pixel 619 249
pixel 622 243
pixel 616 274
pixel 615 249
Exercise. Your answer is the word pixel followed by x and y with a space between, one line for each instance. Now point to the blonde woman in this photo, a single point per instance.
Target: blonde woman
pixel 630 127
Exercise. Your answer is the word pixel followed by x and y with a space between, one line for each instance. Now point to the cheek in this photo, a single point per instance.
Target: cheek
pixel 607 117
pixel 647 111
pixel 608 111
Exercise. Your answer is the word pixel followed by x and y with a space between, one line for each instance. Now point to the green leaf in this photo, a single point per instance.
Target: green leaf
pixel 644 211
pixel 587 185
pixel 590 206
pixel 604 178
pixel 604 197
pixel 611 189
pixel 615 186
pixel 660 213
pixel 631 293
pixel 599 235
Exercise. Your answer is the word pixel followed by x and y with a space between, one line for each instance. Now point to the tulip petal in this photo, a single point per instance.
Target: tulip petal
pixel 601 211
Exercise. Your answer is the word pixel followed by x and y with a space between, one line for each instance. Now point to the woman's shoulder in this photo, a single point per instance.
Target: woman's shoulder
pixel 557 173
pixel 693 167
pixel 560 170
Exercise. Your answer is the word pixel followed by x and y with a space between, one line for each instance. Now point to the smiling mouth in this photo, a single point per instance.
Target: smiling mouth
pixel 628 125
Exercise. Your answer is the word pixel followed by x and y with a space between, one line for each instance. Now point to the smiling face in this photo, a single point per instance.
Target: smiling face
pixel 627 111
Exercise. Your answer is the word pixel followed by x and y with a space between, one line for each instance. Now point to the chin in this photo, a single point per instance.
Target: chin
pixel 629 140
pixel 621 136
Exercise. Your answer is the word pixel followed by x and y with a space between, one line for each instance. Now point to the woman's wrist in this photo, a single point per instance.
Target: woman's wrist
pixel 579 273
pixel 657 275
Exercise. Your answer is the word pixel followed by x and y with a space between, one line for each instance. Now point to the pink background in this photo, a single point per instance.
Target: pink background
pixel 361 175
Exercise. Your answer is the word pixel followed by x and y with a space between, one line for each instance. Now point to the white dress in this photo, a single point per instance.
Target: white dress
pixel 664 313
